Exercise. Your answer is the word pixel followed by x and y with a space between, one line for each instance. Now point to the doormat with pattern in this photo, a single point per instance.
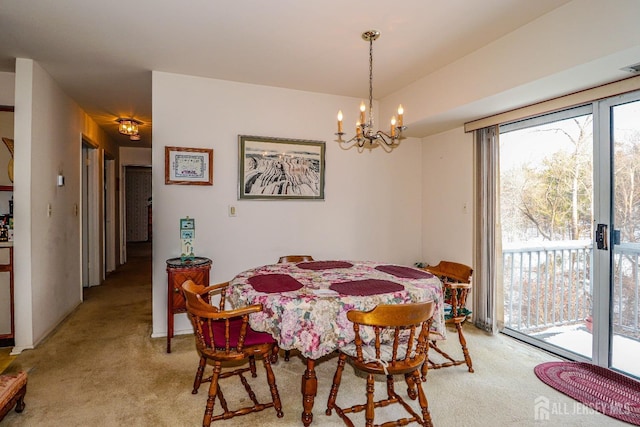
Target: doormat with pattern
pixel 598 388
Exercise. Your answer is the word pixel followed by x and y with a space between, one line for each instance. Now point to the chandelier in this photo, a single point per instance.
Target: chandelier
pixel 129 127
pixel 366 137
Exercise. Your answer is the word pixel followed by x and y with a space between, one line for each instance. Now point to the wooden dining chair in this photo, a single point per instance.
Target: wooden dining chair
pixel 293 259
pixel 390 340
pixel 225 336
pixel 456 282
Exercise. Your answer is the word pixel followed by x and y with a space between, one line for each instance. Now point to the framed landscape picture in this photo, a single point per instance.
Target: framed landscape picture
pixel 277 168
pixel 188 166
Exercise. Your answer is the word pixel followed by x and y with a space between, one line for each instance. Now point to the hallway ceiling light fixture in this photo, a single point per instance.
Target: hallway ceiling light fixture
pixel 128 126
pixel 365 136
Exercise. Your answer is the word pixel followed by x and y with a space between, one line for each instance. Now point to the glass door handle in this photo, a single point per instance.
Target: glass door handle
pixel 601 237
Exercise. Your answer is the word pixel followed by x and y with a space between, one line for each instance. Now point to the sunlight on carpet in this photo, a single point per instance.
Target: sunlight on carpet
pixel 5 358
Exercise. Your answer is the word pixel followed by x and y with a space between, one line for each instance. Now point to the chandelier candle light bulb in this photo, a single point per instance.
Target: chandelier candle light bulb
pixel 366 136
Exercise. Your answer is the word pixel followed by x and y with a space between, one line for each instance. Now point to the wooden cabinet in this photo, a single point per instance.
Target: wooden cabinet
pixel 7 327
pixel 178 272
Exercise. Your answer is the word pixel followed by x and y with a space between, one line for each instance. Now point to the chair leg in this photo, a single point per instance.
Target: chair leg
pixel 463 344
pixel 337 377
pixel 390 389
pixel 422 399
pixel 287 353
pixel 274 354
pixel 369 411
pixel 271 379
pixel 411 386
pixel 199 373
pixel 425 365
pixel 213 391
pixel 252 366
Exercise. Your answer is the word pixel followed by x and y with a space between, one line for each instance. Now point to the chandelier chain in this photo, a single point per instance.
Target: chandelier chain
pixel 370 83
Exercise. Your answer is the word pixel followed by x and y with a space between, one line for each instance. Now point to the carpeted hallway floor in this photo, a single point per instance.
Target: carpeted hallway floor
pixel 101 368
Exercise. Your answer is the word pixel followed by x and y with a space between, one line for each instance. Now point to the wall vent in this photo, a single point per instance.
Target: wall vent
pixel 635 68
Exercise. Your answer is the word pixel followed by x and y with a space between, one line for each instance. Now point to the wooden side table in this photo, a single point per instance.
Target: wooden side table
pixel 178 271
pixel 7 326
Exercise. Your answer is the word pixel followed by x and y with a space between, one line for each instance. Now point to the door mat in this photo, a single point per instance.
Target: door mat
pixel 598 388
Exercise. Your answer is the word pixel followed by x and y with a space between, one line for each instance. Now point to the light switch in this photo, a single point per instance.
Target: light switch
pixel 232 210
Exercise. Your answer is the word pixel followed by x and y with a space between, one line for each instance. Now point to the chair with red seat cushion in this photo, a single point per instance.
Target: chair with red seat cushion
pixel 294 258
pixel 225 336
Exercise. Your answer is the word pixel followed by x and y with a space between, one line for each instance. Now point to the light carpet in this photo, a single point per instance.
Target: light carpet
pixel 101 368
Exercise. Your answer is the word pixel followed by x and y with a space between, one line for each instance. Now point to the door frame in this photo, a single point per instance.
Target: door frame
pixel 91 233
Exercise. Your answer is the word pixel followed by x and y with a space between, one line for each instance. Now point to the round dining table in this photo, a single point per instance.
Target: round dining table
pixel 305 305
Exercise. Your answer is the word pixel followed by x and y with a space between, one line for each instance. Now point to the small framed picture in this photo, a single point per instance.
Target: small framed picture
pixel 187 224
pixel 188 166
pixel 186 234
pixel 279 168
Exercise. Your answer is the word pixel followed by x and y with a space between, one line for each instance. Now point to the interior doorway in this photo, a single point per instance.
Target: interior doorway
pixel 138 204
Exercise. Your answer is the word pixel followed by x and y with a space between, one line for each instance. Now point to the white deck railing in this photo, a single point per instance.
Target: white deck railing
pixel 549 284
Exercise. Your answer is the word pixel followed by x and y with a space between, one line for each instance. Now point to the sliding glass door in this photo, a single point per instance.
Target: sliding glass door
pixel 570 224
pixel 546 201
pixel 623 113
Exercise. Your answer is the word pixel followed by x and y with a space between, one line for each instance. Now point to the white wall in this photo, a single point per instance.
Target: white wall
pixel 447 197
pixel 48 132
pixel 135 156
pixel 372 206
pixel 564 51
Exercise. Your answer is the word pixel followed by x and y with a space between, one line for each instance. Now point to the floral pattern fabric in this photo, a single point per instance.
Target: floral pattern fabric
pixel 313 319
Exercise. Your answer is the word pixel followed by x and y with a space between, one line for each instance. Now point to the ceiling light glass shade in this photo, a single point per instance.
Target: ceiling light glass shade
pixel 135 137
pixel 128 126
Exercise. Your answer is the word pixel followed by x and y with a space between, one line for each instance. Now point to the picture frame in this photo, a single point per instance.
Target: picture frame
pixel 187 224
pixel 280 168
pixel 188 166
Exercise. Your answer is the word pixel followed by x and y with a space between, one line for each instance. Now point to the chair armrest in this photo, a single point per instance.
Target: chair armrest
pixel 215 287
pixel 237 312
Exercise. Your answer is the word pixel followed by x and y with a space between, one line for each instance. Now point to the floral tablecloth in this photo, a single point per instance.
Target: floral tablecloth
pixel 302 311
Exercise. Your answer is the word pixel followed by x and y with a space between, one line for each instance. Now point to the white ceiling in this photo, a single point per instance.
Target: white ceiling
pixel 102 53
